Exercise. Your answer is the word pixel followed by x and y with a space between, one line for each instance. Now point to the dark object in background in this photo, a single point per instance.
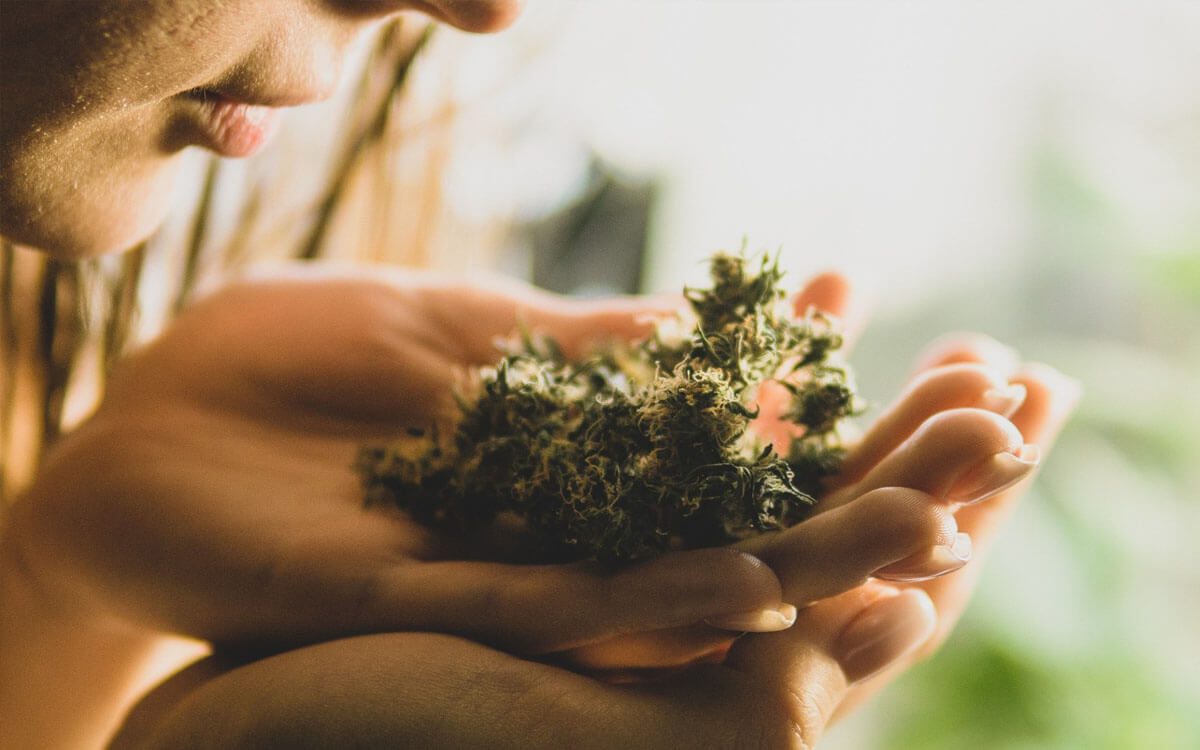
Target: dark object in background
pixel 596 245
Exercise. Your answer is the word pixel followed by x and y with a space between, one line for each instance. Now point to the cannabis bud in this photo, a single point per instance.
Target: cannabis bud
pixel 640 447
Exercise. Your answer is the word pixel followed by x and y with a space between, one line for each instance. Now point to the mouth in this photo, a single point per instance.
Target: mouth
pixel 227 126
pixel 271 100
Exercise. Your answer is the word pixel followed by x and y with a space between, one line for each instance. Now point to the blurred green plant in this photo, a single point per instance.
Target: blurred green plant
pixel 1098 556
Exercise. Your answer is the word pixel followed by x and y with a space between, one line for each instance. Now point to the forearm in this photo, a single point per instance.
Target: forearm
pixel 65 676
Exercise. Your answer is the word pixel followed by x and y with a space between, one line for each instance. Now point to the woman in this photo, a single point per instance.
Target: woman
pixel 209 495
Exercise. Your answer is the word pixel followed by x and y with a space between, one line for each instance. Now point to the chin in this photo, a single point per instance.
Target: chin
pixel 93 220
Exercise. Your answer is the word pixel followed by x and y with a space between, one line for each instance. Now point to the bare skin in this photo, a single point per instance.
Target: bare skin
pixel 96 107
pixel 211 494
pixel 775 690
pixel 276 548
pixel 277 383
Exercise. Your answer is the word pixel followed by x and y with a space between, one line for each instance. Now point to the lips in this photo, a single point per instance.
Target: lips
pixel 230 127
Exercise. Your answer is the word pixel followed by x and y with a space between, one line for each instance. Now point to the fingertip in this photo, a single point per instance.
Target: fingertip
pixel 938 389
pixel 768 620
pixel 962 347
pixel 904 519
pixel 885 631
pixel 756 583
pixel 828 291
pixel 580 324
pixel 700 584
pixel 944 447
pixel 970 431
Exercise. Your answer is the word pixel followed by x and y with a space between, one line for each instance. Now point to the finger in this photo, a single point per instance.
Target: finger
pixel 961 455
pixel 832 294
pixel 580 324
pixel 1050 400
pixel 628 658
pixel 939 389
pixel 804 673
pixel 1051 397
pixel 542 609
pixel 904 533
pixel 969 348
pixel 895 533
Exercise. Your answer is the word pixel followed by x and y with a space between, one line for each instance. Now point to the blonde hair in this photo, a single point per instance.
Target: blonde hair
pixel 375 196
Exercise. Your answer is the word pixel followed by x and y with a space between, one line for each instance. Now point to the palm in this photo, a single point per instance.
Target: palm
pixel 221 460
pixel 242 424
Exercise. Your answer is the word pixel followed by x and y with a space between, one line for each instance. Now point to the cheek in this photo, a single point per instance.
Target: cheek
pixel 95 189
pixel 85 154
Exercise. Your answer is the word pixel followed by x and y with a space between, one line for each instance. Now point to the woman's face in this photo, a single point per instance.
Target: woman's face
pixel 98 98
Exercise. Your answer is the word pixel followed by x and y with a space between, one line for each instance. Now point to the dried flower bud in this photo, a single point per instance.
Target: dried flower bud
pixel 639 448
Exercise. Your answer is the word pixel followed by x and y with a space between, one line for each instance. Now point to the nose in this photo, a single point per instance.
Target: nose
pixel 476 15
pixel 480 16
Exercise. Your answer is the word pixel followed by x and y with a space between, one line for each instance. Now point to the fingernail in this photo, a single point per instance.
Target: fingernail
pixel 884 632
pixel 1004 401
pixel 933 563
pixel 994 474
pixel 758 621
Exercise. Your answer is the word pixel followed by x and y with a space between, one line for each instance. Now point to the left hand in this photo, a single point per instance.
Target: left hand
pixel 213 494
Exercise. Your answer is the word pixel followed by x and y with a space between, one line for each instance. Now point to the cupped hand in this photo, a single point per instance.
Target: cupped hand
pixel 213 494
pixel 927 465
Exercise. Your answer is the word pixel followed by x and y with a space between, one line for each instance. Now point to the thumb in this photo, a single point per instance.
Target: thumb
pixel 544 608
pixel 473 314
pixel 578 325
pixel 835 644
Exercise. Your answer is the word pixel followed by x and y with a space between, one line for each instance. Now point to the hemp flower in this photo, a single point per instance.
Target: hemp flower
pixel 641 447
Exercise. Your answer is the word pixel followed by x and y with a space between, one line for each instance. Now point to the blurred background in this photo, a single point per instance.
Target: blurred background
pixel 1029 170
